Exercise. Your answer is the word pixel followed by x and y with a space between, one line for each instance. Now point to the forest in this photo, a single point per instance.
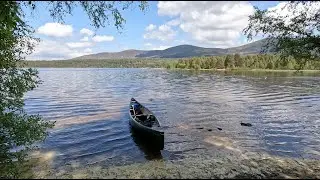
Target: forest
pixel 231 61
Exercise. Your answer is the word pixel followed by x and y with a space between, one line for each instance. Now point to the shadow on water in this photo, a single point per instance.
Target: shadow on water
pixel 146 145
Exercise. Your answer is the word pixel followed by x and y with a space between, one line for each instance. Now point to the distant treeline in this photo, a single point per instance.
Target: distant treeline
pixel 236 61
pixel 261 61
pixel 103 63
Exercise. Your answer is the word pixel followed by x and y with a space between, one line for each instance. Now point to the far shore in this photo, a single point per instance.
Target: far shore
pixel 234 70
pixel 265 70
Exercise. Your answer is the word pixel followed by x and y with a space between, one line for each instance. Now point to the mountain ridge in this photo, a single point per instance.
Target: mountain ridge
pixel 180 51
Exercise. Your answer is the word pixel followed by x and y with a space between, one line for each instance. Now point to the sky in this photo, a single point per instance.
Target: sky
pixel 214 24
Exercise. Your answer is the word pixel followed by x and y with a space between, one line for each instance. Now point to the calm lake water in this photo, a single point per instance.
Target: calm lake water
pixel 90 107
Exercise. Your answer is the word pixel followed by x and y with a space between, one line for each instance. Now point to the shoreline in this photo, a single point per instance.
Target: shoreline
pixel 219 70
pixel 247 165
pixel 253 70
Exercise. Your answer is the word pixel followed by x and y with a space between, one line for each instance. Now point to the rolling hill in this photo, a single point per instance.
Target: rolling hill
pixel 180 51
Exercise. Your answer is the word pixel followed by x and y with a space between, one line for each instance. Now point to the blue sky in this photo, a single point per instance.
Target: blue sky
pixel 164 24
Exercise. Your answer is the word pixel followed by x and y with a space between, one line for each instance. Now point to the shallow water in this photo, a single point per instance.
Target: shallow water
pixel 90 107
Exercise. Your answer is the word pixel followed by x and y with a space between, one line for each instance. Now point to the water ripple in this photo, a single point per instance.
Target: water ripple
pixel 90 110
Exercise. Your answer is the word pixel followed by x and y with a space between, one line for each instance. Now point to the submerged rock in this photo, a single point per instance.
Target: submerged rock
pixel 245 124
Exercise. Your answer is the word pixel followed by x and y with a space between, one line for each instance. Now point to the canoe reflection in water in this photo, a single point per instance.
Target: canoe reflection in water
pixel 148 146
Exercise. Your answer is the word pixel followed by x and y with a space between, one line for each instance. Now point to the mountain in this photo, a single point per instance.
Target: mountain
pixel 112 55
pixel 180 51
pixel 251 48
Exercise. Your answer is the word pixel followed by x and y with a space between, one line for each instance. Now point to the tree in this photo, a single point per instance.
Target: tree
pixel 238 60
pixel 191 63
pixel 213 61
pixel 197 63
pixel 220 64
pixel 229 62
pixel 294 33
pixel 17 129
pixel 270 65
pixel 197 67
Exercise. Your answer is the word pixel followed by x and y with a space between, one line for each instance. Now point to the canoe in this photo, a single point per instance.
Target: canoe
pixel 146 124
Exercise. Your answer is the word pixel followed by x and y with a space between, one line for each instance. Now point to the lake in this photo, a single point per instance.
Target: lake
pixel 90 107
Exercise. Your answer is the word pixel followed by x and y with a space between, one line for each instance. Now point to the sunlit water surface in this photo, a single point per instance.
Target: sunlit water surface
pixel 90 107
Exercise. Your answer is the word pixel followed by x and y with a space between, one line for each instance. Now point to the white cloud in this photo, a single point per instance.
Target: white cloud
pixel 174 22
pixel 227 44
pixel 161 47
pixel 79 44
pixel 163 33
pixel 171 8
pixel 283 12
pixel 86 38
pixel 147 44
pixel 88 50
pixel 102 38
pixel 54 50
pixel 180 41
pixel 209 22
pixel 55 30
pixel 86 32
pixel 151 27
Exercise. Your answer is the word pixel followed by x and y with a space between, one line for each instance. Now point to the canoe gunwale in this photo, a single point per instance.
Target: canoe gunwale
pixel 141 126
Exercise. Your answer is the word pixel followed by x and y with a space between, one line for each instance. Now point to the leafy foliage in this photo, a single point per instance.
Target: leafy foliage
pixel 19 131
pixel 294 34
pixel 17 128
pixel 99 12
